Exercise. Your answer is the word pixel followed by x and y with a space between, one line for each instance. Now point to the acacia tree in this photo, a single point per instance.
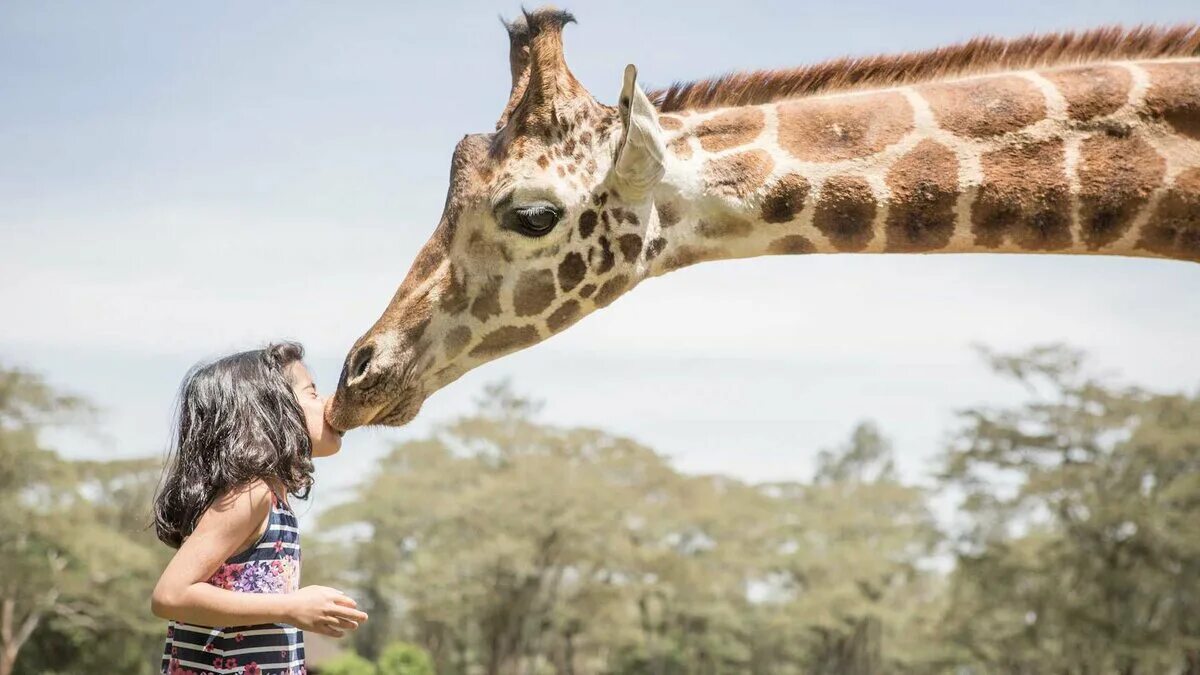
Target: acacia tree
pixel 1082 554
pixel 77 561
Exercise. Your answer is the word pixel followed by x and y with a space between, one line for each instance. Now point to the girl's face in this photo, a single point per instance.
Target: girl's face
pixel 325 441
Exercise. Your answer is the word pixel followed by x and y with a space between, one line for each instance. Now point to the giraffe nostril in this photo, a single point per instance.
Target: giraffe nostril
pixel 361 362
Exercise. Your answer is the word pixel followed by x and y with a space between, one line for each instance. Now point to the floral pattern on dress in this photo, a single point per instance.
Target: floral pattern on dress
pixel 259 576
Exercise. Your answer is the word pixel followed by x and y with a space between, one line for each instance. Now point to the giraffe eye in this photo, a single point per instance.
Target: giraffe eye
pixel 535 220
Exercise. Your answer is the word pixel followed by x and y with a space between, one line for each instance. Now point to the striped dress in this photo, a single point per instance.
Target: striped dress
pixel 271 565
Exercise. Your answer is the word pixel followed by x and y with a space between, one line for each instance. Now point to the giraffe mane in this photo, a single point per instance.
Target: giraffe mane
pixel 976 56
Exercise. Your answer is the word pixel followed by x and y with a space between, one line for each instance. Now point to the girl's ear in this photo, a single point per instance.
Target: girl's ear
pixel 639 162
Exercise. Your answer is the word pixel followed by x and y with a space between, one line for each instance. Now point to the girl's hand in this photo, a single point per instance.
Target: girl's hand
pixel 323 610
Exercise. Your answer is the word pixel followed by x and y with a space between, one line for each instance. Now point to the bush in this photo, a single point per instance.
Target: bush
pixel 402 658
pixel 348 664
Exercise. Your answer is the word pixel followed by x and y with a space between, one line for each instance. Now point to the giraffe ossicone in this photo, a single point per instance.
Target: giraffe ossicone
pixel 1083 144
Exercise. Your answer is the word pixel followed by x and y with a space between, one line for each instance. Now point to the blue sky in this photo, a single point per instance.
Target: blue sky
pixel 178 180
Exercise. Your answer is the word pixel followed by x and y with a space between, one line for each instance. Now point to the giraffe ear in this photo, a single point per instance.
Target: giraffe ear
pixel 639 162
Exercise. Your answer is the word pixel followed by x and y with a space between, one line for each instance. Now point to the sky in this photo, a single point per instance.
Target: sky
pixel 182 180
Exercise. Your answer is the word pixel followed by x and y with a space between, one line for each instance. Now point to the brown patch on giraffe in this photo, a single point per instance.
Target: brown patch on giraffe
pixel 1174 229
pixel 543 161
pixel 1024 198
pixel 655 248
pixel 587 290
pixel 534 292
pixel 688 255
pixel 571 271
pixel 792 244
pixel 564 315
pixel 924 185
pixel 785 199
pixel 668 213
pixel 587 223
pixel 611 289
pixel 831 130
pixel 844 212
pixel 681 147
pixel 730 129
pixel 453 298
pixel 505 339
pixel 1092 91
pixel 724 226
pixel 669 122
pixel 630 245
pixel 1174 95
pixel 986 107
pixel 1116 177
pixel 738 175
pixel 607 257
pixel 456 340
pixel 487 303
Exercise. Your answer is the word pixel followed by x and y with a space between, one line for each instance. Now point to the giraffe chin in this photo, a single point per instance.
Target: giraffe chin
pixel 343 417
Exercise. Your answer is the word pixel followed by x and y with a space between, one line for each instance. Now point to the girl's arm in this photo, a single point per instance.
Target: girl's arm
pixel 184 594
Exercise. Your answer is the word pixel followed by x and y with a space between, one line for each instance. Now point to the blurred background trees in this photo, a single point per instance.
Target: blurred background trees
pixel 1066 540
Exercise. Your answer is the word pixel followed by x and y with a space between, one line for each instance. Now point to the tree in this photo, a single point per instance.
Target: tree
pixel 73 545
pixel 348 663
pixel 402 658
pixel 1083 550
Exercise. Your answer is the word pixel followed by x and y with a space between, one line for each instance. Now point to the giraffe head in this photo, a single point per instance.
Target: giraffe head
pixel 545 220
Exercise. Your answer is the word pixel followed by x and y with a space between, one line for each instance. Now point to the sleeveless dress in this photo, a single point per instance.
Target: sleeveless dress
pixel 270 565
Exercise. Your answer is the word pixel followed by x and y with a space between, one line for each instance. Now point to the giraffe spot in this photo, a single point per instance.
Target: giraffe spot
pixel 668 213
pixel 587 290
pixel 729 129
pixel 600 199
pixel 985 107
pixel 543 161
pixel 571 271
pixel 607 257
pixel 562 173
pixel 505 339
pixel 611 289
pixel 1024 198
pixel 587 223
pixel 534 292
pixel 453 298
pixel 563 316
pixel 669 122
pixel 487 303
pixel 1174 230
pixel 1116 176
pixel 585 138
pixel 456 340
pixel 630 245
pixel 792 244
pixel 844 212
pixel 738 175
pixel 688 255
pixel 1174 96
pixel 655 248
pixel 924 185
pixel 785 199
pixel 724 226
pixel 681 147
pixel 1092 91
pixel 832 130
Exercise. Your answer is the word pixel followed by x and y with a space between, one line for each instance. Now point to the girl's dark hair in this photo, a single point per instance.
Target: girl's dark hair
pixel 237 421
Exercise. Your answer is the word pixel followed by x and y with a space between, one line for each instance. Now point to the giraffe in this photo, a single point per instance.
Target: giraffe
pixel 1084 143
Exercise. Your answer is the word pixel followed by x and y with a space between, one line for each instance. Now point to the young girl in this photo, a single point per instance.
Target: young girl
pixel 248 428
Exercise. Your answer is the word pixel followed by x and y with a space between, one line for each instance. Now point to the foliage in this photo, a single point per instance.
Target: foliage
pixel 402 658
pixel 78 561
pixel 348 663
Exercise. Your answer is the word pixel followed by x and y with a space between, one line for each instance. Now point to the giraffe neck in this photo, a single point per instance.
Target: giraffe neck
pixel 1095 160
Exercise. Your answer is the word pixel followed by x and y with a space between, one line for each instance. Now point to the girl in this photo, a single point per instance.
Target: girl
pixel 248 428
